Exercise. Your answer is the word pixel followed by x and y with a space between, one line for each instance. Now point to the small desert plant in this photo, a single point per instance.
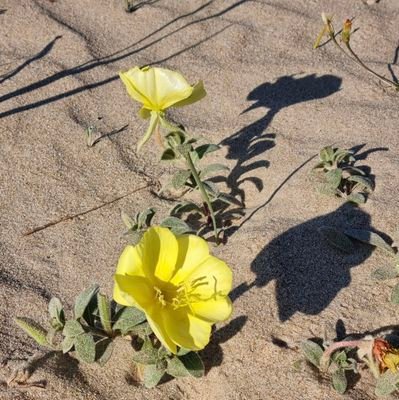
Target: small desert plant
pixel 346 49
pixel 341 177
pixel 335 359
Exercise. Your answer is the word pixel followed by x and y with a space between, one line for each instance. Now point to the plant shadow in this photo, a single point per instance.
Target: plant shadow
pixel 308 272
pixel 252 140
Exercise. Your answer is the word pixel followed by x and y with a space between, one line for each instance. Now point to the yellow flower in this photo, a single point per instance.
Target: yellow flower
pixel 180 287
pixel 159 89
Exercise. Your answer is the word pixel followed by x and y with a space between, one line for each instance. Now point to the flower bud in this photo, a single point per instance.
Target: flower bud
pixel 346 31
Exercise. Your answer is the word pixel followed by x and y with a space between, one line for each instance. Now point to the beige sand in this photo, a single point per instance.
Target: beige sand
pixel 59 64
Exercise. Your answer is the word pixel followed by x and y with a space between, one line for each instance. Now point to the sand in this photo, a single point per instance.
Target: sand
pixel 272 102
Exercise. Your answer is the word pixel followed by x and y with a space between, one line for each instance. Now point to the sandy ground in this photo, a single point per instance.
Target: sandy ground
pixel 272 103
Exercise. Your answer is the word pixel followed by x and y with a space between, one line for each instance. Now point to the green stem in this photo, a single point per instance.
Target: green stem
pixel 353 56
pixel 203 193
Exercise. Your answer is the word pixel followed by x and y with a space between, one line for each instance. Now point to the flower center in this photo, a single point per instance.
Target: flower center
pixel 186 293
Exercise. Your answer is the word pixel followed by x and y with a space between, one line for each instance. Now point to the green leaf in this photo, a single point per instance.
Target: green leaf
pixel 337 239
pixel 211 188
pixel 204 149
pixel 334 177
pixel 312 351
pixel 212 169
pixel 85 348
pixel 387 383
pixel 72 329
pixel 67 344
pixel 193 364
pixel 362 181
pixel 56 313
pixel 369 237
pixel 229 199
pixel 128 221
pixel 168 155
pixel 180 178
pixel 395 294
pixel 104 349
pixel 184 207
pixel 154 121
pixel 357 198
pixel 127 319
pixel 152 375
pixel 176 368
pixel 148 354
pixel 354 170
pixel 175 138
pixel 182 351
pixel 384 273
pixel 326 153
pixel 339 381
pixel 34 330
pixel 104 309
pixel 135 237
pixel 83 300
pixel 144 218
pixel 141 330
pixel 176 225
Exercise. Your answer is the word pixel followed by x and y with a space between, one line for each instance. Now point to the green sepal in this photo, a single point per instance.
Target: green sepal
pixel 154 121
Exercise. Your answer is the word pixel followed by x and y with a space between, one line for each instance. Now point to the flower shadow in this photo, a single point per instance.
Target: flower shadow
pixel 212 355
pixel 252 140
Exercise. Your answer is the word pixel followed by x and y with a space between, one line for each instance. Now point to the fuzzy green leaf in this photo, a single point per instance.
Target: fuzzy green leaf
pixel 180 178
pixel 184 207
pixel 104 349
pixel 128 221
pixel 168 155
pixel 212 169
pixel 104 310
pixel 211 188
pixel 85 347
pixel 312 351
pixel 72 329
pixel 141 330
pixel 67 344
pixel 83 300
pixel 205 149
pixel 148 354
pixel 152 375
pixel 56 313
pixel 176 368
pixel 193 363
pixel 339 381
pixel 362 181
pixel 357 198
pixel 369 237
pixel 229 199
pixel 34 330
pixel 337 239
pixel 144 218
pixel 387 383
pixel 326 153
pixel 176 225
pixel 127 319
pixel 334 177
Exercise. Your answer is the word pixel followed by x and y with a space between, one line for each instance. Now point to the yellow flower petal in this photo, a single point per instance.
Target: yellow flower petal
pixel 129 81
pixel 155 319
pixel 213 310
pixel 217 275
pixel 391 360
pixel 133 291
pixel 130 261
pixel 193 250
pixel 160 251
pixel 187 330
pixel 198 94
pixel 156 88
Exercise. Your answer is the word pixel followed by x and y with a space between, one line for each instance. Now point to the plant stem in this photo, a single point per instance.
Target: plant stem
pixel 334 347
pixel 354 57
pixel 204 194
